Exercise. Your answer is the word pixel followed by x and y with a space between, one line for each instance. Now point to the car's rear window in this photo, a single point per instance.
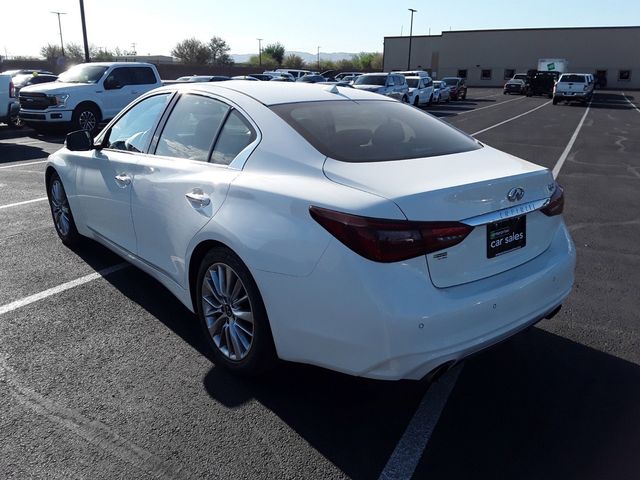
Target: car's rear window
pixel 573 78
pixel 373 130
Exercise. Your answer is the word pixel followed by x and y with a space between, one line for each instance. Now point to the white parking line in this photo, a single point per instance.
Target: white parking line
pixel 631 103
pixel 17 204
pixel 572 140
pixel 491 106
pixel 23 164
pixel 405 457
pixel 9 307
pixel 510 119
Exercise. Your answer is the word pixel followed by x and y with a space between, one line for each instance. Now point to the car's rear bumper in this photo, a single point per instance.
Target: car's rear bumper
pixel 572 95
pixel 388 321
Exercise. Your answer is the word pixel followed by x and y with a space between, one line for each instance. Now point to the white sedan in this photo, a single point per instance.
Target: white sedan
pixel 328 225
pixel 441 92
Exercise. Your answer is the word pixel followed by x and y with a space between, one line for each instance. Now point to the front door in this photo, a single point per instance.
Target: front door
pixel 104 177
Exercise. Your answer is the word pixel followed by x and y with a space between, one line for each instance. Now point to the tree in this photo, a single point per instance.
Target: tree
pixel 368 61
pixel 275 51
pixel 218 49
pixel 268 63
pixel 51 52
pixel 74 52
pixel 293 61
pixel 101 55
pixel 345 65
pixel 191 50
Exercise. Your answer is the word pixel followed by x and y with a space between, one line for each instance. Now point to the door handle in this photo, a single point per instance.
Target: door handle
pixel 122 179
pixel 198 198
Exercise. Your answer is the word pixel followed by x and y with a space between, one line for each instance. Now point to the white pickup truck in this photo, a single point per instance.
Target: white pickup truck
pixel 8 104
pixel 573 86
pixel 86 95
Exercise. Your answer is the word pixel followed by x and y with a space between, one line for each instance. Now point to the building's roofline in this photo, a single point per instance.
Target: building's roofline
pixel 518 30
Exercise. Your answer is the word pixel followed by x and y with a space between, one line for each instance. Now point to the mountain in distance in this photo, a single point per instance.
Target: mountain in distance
pixel 306 56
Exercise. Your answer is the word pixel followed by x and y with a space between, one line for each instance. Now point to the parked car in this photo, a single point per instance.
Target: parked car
pixel 311 78
pixel 573 87
pixel 23 71
pixel 204 78
pixel 540 83
pixel 294 72
pixel 514 86
pixel 26 79
pixel 344 229
pixel 520 76
pixel 457 86
pixel 86 94
pixel 420 90
pixel 9 106
pixel 441 92
pixel 341 76
pixel 392 85
pixel 265 77
pixel 282 76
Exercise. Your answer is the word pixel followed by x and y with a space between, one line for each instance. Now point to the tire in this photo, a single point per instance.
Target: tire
pixel 85 117
pixel 430 102
pixel 464 95
pixel 416 101
pixel 405 99
pixel 61 213
pixel 15 122
pixel 237 333
pixel 555 100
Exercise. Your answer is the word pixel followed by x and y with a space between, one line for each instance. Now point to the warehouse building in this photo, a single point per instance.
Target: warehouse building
pixel 489 57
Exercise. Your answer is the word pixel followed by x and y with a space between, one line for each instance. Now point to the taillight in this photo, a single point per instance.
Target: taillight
pixel 388 241
pixel 12 90
pixel 556 203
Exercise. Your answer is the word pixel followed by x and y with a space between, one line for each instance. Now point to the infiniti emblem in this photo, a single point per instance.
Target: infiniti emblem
pixel 515 194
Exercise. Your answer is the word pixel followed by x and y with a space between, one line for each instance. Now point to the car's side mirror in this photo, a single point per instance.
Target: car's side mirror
pixel 112 84
pixel 79 141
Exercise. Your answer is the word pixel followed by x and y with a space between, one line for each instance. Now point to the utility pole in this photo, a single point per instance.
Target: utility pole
pixel 318 58
pixel 412 10
pixel 259 51
pixel 60 29
pixel 84 33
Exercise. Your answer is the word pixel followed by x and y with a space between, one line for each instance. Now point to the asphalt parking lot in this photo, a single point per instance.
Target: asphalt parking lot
pixel 107 377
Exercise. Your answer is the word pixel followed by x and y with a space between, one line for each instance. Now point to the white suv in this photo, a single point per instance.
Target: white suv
pixel 573 86
pixel 86 94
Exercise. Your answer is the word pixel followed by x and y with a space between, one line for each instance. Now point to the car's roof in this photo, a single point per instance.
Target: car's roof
pixel 274 93
pixel 118 64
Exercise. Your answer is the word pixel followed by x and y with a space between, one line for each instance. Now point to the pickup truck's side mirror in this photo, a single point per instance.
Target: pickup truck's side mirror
pixel 79 141
pixel 112 84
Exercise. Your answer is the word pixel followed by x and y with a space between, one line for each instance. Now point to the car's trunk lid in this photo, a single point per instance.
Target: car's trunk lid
pixel 461 187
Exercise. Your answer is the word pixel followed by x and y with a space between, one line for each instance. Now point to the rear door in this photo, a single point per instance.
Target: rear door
pixel 572 84
pixel 181 187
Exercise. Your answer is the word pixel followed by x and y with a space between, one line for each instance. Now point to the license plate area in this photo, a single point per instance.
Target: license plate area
pixel 506 235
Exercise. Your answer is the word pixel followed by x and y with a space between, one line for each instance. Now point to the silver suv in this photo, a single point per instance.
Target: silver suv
pixel 392 85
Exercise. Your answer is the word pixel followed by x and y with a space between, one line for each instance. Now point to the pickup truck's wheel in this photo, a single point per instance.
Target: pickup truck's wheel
pixel 555 101
pixel 15 122
pixel 86 117
pixel 232 314
pixel 61 212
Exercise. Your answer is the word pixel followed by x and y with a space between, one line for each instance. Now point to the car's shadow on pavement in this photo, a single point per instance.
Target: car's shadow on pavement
pixel 540 406
pixel 536 406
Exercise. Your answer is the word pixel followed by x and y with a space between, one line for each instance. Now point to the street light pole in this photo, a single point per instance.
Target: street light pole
pixel 410 38
pixel 318 58
pixel 84 33
pixel 259 51
pixel 60 29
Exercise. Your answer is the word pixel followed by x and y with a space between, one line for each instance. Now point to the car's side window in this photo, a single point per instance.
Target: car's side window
pixel 236 134
pixel 143 76
pixel 120 77
pixel 192 128
pixel 133 131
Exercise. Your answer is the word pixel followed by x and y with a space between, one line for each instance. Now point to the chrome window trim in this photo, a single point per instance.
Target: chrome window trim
pixel 506 213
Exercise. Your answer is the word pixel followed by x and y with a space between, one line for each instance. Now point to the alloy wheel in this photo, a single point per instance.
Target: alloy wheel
pixel 60 208
pixel 227 311
pixel 87 120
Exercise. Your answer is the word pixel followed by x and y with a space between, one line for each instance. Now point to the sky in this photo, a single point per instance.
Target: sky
pixel 155 26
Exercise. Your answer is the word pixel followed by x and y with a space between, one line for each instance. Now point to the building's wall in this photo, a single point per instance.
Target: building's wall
pixel 586 49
